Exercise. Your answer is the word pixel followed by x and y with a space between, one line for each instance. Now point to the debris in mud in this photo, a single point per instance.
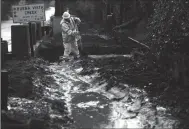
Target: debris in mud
pixel 64 92
pixel 33 86
pixel 88 104
pixel 135 107
pixel 119 71
pixel 116 92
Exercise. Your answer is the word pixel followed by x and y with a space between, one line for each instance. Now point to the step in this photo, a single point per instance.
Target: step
pixel 106 50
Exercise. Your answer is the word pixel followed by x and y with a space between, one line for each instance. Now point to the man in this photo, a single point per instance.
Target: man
pixel 70 35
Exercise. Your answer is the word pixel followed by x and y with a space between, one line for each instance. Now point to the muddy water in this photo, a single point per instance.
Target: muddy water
pixel 89 105
pixel 93 107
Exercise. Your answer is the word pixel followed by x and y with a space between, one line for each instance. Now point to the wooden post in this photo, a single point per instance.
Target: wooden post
pixel 32 27
pixel 58 4
pixel 4 89
pixel 2 56
pixel 38 31
pixel 109 23
pixel 20 41
pixel 4 50
pixel 43 29
pixel 121 11
pixel 5 45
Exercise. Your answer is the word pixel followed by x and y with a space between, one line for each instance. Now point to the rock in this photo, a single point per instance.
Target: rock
pixel 8 122
pixel 148 115
pixel 25 88
pixel 5 118
pixel 36 123
pixel 161 111
pixel 164 122
pixel 117 93
pixel 127 115
pixel 135 107
pixel 125 99
pixel 120 123
pixel 134 93
pixel 49 51
pixel 59 105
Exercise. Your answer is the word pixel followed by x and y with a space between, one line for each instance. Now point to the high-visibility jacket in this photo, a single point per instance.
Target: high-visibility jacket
pixel 69 29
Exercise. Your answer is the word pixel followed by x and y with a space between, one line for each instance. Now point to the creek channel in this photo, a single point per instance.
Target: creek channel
pixel 92 106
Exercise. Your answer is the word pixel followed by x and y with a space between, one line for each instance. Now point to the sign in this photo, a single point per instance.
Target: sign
pixel 28 13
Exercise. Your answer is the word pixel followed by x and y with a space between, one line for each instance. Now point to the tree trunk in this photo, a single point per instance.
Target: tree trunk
pixel 98 13
pixel 121 11
pixel 57 7
pixel 134 7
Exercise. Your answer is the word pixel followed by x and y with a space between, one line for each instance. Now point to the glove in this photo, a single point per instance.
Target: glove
pixel 75 32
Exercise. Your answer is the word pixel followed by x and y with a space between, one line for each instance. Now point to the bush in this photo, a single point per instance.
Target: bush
pixel 169 36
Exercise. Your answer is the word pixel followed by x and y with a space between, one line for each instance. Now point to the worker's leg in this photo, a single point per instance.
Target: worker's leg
pixel 67 50
pixel 75 49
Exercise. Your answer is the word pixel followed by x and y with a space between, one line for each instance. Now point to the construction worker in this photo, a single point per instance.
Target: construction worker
pixel 70 35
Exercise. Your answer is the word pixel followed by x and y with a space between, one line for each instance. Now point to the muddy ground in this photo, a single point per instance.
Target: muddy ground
pixel 94 92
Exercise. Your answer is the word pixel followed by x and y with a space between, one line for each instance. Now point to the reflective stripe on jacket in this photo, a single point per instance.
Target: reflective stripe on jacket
pixel 68 28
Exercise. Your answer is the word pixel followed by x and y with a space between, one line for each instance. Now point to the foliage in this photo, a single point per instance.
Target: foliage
pixel 170 31
pixel 168 39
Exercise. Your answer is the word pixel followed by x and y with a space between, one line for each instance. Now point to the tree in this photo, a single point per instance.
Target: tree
pixel 57 7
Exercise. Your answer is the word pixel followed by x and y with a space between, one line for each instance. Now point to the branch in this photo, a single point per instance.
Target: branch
pixel 139 43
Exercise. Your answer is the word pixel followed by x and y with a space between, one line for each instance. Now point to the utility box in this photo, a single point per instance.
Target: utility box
pixel 20 37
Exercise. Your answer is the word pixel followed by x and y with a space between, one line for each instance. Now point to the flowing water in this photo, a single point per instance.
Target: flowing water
pixel 84 99
pixel 91 106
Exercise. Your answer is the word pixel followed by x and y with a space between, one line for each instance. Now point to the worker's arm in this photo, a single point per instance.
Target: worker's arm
pixel 66 29
pixel 61 22
pixel 77 20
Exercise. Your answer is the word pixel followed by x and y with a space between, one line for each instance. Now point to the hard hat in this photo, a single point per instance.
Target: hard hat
pixel 66 15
